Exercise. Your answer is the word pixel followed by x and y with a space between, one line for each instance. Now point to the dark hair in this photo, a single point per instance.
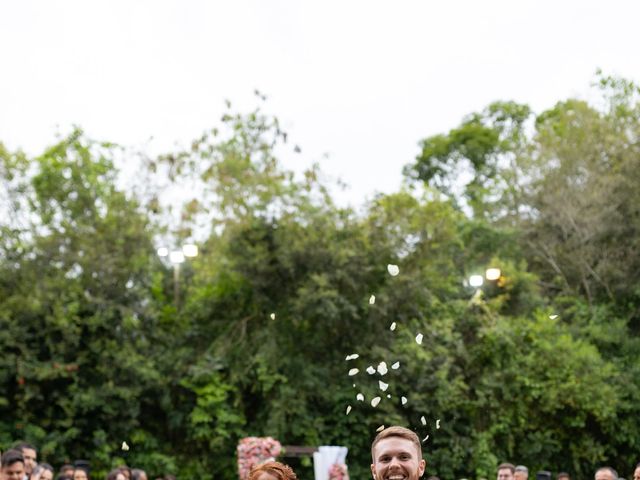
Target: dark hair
pixel 41 467
pixel 67 466
pixel 22 445
pixel 113 474
pixel 12 456
pixel 64 477
pixel 136 473
pixel 563 475
pixel 510 466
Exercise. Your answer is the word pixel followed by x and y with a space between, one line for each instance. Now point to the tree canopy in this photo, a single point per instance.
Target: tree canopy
pixel 538 367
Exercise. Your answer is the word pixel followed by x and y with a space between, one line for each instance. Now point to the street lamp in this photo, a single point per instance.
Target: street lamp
pixel 176 257
pixel 491 274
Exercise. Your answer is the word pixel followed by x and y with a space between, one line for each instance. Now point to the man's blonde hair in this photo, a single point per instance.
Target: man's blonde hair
pixel 400 432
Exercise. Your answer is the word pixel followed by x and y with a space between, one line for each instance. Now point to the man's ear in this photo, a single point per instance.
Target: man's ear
pixel 373 471
pixel 421 467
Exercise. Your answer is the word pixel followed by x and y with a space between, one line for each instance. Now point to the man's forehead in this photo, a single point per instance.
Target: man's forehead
pixel 395 444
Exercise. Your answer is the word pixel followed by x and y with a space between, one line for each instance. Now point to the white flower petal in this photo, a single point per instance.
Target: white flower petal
pixel 393 270
pixel 389 395
pixel 393 326
pixel 353 356
pixel 419 338
pixel 425 439
pixel 372 299
pixel 353 372
pixel 438 423
pixel 396 365
pixel 348 409
pixel 375 401
pixel 360 397
pixel 125 447
pixel 371 370
pixel 423 420
pixel 382 368
pixel 553 317
pixel 404 400
pixel 383 386
pixel 380 428
pixel 273 316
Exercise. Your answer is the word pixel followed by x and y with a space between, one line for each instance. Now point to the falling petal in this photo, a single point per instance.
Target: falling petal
pixel 383 386
pixel 404 400
pixel 425 439
pixel 393 326
pixel 372 299
pixel 423 420
pixel 348 409
pixel 380 428
pixel 419 339
pixel 375 401
pixel 553 317
pixel 360 397
pixel 353 372
pixel 438 423
pixel 396 365
pixel 389 395
pixel 393 270
pixel 354 385
pixel 382 368
pixel 353 356
pixel 371 370
pixel 273 316
pixel 125 447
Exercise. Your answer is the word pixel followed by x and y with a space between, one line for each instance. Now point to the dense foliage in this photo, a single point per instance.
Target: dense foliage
pixel 538 368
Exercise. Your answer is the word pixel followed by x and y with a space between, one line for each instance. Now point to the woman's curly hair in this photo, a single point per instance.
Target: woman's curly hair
pixel 277 469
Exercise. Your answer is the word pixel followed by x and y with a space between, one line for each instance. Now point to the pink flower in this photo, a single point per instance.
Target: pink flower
pixel 254 451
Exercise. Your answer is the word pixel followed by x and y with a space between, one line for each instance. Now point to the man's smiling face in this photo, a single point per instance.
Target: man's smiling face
pixel 396 458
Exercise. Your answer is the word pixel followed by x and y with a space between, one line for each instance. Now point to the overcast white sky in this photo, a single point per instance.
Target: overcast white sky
pixel 362 81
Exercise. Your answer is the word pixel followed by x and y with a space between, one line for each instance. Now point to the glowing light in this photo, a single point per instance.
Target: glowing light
pixel 476 280
pixel 190 250
pixel 492 274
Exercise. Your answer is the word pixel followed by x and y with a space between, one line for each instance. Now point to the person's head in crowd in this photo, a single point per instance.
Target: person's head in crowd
pixel 397 451
pixel 30 456
pixel 80 473
pixel 506 471
pixel 63 476
pixel 126 471
pixel 12 465
pixel 116 474
pixel 67 469
pixel 564 476
pixel 272 471
pixel 606 473
pixel 43 471
pixel 138 474
pixel 521 473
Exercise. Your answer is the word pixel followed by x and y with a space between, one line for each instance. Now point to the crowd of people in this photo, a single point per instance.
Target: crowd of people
pixel 21 463
pixel 396 454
